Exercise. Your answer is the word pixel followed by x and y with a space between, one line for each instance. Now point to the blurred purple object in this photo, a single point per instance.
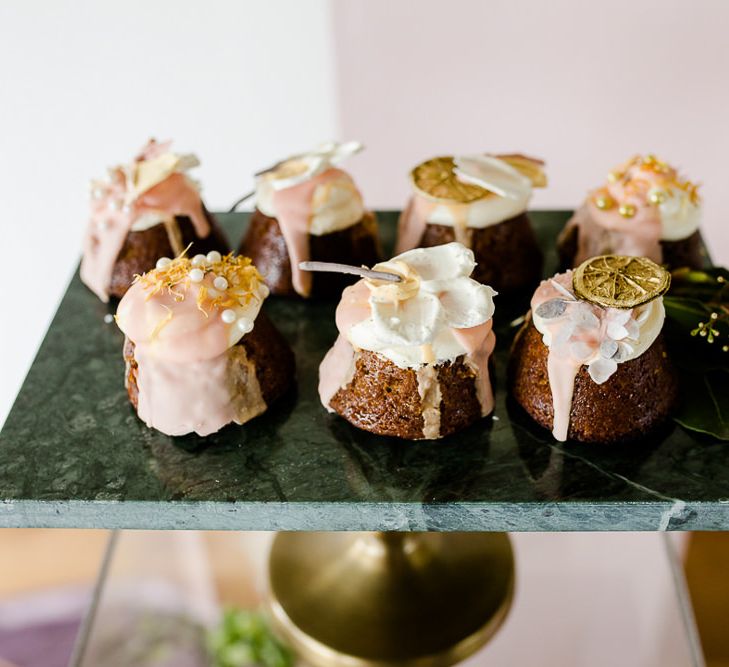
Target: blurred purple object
pixel 39 629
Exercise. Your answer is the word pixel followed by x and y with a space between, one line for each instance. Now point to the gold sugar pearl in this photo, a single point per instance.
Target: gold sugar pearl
pixel 604 202
pixel 614 176
pixel 657 197
pixel 627 210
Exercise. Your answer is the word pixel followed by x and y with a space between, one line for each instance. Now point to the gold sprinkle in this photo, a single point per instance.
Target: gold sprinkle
pixel 604 202
pixel 626 210
pixel 657 197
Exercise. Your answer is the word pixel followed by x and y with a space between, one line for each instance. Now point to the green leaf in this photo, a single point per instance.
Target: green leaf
pixel 705 403
pixel 243 639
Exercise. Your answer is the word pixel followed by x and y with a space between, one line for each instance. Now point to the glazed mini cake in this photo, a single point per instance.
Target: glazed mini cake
pixel 308 209
pixel 144 210
pixel 479 201
pixel 412 358
pixel 590 363
pixel 645 209
pixel 199 353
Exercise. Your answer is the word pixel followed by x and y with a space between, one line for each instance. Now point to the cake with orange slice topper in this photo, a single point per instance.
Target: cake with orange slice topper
pixel 199 352
pixel 479 201
pixel 307 208
pixel 143 210
pixel 415 341
pixel 590 363
pixel 645 209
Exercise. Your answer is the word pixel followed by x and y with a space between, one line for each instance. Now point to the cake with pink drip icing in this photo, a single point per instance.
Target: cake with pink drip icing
pixel 307 208
pixel 143 210
pixel 646 209
pixel 480 201
pixel 412 357
pixel 199 352
pixel 590 362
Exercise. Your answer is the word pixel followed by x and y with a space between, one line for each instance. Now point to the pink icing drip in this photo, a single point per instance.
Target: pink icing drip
pixel 412 223
pixel 182 369
pixel 190 336
pixel 480 342
pixel 293 208
pixel 108 227
pixel 562 370
pixel 607 232
pixel 335 369
pixel 177 398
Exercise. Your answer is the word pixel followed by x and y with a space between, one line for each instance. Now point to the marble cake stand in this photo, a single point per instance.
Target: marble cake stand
pixel 73 454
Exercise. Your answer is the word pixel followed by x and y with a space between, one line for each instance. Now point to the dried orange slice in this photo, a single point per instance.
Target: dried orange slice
pixel 617 281
pixel 437 179
pixel 530 167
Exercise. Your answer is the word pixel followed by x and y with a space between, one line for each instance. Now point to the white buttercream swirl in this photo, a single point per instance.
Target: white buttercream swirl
pixel 414 324
pixel 336 204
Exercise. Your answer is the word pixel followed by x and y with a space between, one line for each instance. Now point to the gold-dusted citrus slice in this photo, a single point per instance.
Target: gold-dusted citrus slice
pixel 617 281
pixel 437 179
pixel 530 167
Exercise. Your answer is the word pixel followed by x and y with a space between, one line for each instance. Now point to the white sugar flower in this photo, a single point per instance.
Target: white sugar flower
pixel 436 293
pixel 597 337
pixel 492 174
pixel 304 166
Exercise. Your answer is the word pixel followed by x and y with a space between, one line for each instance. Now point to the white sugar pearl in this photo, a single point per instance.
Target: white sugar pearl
pixel 197 260
pixel 196 275
pixel 228 316
pixel 220 283
pixel 162 262
pixel 114 204
pixel 214 256
pixel 244 325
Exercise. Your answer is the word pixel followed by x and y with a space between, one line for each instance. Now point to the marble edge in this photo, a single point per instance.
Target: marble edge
pixel 575 516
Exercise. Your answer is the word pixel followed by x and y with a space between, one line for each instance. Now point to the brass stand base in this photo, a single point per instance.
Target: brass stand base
pixel 386 599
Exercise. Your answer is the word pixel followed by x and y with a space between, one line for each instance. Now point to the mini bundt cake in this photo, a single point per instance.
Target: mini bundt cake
pixel 645 209
pixel 590 362
pixel 199 353
pixel 479 201
pixel 412 357
pixel 144 210
pixel 308 209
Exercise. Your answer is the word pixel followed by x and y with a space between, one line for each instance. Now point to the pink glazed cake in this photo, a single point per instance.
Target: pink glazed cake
pixel 199 352
pixel 646 209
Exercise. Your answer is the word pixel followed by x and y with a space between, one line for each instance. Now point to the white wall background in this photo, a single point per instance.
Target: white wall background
pixel 241 83
pixel 84 84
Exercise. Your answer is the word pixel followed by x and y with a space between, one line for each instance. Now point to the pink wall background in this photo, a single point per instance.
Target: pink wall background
pixel 582 85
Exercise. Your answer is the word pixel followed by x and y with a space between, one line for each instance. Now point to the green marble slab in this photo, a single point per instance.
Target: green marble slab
pixel 74 454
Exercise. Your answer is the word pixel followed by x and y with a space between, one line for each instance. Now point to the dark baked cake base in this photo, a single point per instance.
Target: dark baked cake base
pixel 383 398
pixel 141 250
pixel 264 345
pixel 265 245
pixel 630 404
pixel 508 255
pixel 676 254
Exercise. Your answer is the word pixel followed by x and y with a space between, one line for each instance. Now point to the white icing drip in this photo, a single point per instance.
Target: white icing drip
pixel 430 396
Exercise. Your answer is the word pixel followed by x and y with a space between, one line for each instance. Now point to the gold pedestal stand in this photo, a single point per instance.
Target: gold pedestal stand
pixel 386 599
